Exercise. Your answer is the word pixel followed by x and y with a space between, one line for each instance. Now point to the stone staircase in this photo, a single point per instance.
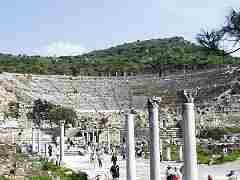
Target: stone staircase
pixel 81 94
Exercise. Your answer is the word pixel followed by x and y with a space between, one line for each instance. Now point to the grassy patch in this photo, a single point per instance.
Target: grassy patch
pixel 61 172
pixel 230 130
pixel 3 178
pixel 205 156
pixel 235 155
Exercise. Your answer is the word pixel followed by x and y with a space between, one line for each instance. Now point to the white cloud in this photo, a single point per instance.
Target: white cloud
pixel 60 48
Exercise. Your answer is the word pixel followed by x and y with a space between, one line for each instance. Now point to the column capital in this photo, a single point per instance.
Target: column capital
pixel 187 95
pixel 154 102
pixel 130 111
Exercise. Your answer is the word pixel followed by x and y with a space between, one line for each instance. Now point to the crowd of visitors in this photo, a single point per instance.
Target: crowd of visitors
pixel 174 173
pixel 97 157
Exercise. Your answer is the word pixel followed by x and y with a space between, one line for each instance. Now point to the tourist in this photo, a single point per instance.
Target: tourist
pixel 49 150
pixel 114 170
pixel 177 174
pixel 71 143
pixel 169 173
pixel 139 152
pixel 174 176
pixel 93 159
pixel 114 158
pixel 99 157
pixel 232 175
pixel 57 153
pixel 210 177
pixel 181 170
pixel 30 148
pixel 12 174
pixel 124 152
pixel 161 158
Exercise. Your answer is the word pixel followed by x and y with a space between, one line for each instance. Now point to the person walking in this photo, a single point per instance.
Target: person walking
pixel 114 158
pixel 161 158
pixel 12 173
pixel 177 174
pixel 123 152
pixel 181 170
pixel 169 173
pixel 232 175
pixel 93 159
pixel 99 157
pixel 210 177
pixel 49 150
pixel 114 170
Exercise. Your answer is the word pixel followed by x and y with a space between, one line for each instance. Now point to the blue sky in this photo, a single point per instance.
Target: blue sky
pixel 70 27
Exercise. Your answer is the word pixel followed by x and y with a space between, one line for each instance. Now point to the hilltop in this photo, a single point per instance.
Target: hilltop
pixel 157 67
pixel 162 56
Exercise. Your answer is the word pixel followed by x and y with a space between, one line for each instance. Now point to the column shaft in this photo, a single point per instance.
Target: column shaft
pixel 94 137
pixel 88 136
pixel 131 161
pixel 180 153
pixel 62 144
pixel 154 143
pixel 39 142
pixel 109 140
pixel 161 148
pixel 190 153
pixel 33 140
pixel 168 151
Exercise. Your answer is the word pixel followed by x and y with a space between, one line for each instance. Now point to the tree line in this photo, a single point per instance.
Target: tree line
pixel 140 57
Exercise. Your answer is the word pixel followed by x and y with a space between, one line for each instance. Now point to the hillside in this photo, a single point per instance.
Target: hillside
pixel 219 93
pixel 114 93
pixel 161 56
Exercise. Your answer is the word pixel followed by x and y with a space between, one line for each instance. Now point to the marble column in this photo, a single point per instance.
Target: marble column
pixel 168 152
pixel 180 152
pixel 39 142
pixel 161 147
pixel 33 140
pixel 131 161
pixel 88 137
pixel 94 137
pixel 108 140
pixel 161 140
pixel 96 133
pixel 190 152
pixel 62 142
pixel 154 138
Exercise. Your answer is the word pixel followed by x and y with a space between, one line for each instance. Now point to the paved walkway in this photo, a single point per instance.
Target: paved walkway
pixel 82 163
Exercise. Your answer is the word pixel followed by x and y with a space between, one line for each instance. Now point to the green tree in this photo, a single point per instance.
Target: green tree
pixel 229 32
pixel 57 113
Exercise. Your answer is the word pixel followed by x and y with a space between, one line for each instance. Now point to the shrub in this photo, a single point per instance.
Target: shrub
pixel 3 178
pixel 60 171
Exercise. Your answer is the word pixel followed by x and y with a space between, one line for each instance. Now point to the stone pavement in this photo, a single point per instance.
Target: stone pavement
pixel 82 163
